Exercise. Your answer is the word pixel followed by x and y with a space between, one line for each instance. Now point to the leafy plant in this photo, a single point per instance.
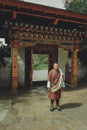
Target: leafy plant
pixel 79 6
pixel 40 62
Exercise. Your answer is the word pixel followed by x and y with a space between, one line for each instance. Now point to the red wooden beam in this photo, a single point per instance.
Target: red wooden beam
pixel 14 14
pixel 45 9
pixel 43 16
pixel 30 14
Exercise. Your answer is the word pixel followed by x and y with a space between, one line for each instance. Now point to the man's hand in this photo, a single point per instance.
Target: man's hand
pixel 49 90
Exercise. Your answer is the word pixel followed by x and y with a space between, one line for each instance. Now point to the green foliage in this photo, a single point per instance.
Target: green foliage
pixel 78 6
pixel 40 62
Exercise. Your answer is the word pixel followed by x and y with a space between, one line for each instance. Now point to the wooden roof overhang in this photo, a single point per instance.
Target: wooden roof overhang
pixel 41 15
pixel 37 10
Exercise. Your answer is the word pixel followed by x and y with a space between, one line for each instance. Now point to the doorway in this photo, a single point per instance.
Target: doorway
pixel 48 53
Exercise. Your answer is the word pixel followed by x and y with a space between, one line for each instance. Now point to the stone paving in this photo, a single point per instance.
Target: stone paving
pixel 30 111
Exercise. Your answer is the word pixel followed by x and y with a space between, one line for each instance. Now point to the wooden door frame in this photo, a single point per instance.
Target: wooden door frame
pixel 52 53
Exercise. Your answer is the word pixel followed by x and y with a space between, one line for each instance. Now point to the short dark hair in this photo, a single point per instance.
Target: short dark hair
pixel 55 63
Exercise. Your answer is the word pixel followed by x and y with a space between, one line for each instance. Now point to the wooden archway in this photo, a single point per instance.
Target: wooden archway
pixel 35 26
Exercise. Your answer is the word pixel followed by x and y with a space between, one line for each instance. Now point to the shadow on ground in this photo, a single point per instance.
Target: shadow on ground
pixel 70 105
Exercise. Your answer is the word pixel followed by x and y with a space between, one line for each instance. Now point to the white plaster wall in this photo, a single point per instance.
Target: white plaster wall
pixel 40 75
pixel 63 59
pixel 21 66
pixel 5 73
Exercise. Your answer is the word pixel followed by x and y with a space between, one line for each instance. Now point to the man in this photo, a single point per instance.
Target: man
pixel 53 78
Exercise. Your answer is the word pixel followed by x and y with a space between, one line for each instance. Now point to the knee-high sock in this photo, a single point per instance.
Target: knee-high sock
pixel 51 101
pixel 57 102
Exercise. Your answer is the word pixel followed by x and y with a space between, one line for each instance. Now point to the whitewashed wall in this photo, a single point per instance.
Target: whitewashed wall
pixel 40 75
pixel 5 73
pixel 21 66
pixel 63 59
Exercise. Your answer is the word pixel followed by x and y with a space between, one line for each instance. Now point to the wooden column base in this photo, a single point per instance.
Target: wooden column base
pixel 14 84
pixel 74 81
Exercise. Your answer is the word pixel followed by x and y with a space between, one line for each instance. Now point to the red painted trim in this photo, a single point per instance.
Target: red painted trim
pixel 14 14
pixel 45 9
pixel 41 16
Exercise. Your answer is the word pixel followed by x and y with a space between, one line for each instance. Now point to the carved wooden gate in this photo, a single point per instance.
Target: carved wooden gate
pixel 35 26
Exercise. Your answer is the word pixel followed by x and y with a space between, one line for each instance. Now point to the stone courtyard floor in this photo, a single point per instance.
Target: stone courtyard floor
pixel 30 110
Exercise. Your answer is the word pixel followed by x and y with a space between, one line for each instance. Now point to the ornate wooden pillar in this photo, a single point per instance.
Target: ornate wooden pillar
pixel 74 78
pixel 15 66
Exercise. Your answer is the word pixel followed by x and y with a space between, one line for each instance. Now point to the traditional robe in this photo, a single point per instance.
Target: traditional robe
pixel 53 78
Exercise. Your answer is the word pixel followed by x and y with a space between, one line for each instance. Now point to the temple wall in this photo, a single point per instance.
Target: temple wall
pixel 63 59
pixel 5 73
pixel 21 67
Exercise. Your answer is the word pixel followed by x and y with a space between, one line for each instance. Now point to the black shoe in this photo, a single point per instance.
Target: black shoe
pixel 58 108
pixel 51 108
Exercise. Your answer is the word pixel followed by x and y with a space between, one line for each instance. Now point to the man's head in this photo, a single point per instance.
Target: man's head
pixel 55 66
